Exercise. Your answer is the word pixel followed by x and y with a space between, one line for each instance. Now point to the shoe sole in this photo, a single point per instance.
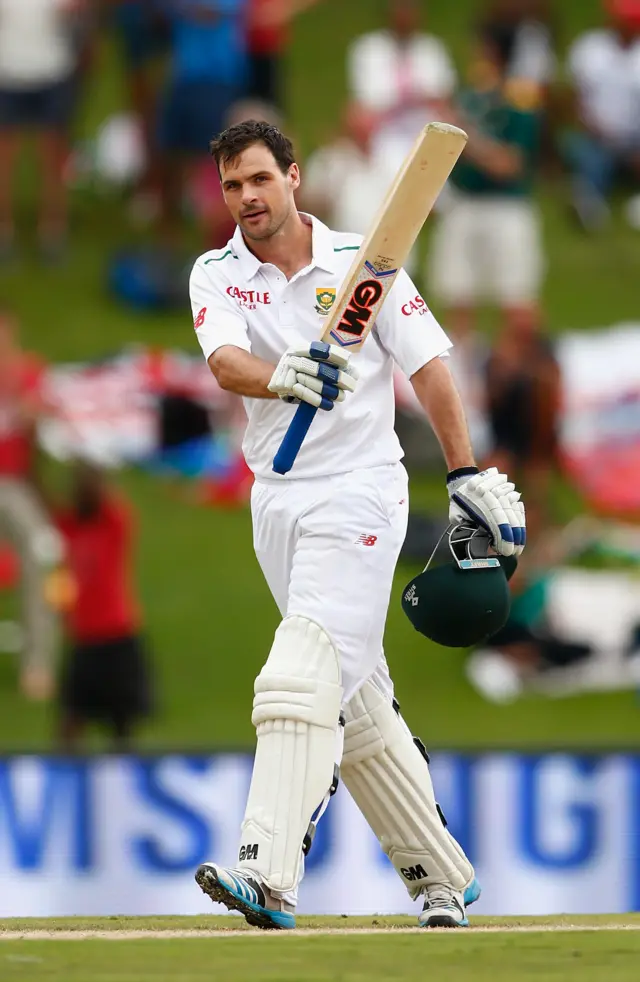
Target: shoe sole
pixel 220 893
pixel 444 920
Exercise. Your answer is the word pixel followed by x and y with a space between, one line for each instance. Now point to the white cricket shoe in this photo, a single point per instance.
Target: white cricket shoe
pixel 238 890
pixel 443 907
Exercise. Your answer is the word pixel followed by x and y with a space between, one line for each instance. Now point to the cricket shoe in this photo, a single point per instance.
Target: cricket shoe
pixel 238 890
pixel 443 907
pixel 472 893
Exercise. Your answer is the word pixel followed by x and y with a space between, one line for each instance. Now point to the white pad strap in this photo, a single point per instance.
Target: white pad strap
pixel 296 713
pixel 388 777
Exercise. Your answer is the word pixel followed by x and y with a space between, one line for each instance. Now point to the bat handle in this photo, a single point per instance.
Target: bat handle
pixel 294 438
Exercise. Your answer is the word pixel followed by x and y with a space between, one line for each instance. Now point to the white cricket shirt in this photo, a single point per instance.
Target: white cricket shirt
pixel 238 300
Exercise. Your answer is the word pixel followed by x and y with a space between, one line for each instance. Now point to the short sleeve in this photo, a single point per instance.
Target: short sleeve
pixel 216 319
pixel 408 330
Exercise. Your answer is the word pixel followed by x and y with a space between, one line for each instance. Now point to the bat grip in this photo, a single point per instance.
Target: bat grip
pixel 294 438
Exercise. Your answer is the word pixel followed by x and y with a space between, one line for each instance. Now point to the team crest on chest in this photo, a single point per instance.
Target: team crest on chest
pixel 325 300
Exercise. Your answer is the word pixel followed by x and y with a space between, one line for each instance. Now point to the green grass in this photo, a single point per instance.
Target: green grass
pixel 326 922
pixel 209 615
pixel 445 956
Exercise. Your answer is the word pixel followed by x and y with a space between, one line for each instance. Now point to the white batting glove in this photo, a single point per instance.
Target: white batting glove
pixel 489 499
pixel 318 373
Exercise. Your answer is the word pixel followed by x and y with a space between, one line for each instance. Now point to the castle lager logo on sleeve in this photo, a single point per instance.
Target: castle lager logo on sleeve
pixel 416 305
pixel 248 298
pixel 325 300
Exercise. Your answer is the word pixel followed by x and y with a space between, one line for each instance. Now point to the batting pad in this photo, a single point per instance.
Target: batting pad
pixel 296 712
pixel 388 778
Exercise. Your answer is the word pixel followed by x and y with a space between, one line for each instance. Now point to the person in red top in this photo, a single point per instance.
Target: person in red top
pixel 24 523
pixel 268 35
pixel 105 675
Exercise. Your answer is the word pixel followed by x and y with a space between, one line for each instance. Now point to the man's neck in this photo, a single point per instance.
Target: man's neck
pixel 290 249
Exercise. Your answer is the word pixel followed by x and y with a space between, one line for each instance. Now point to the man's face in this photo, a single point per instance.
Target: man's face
pixel 258 195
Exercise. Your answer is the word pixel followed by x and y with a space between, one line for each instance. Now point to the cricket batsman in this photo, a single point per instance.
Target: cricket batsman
pixel 328 534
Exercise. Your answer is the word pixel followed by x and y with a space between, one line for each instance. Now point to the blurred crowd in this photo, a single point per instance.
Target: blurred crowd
pixel 193 67
pixel 186 63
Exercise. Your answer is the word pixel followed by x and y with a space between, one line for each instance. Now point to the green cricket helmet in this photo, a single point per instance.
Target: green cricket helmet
pixel 465 601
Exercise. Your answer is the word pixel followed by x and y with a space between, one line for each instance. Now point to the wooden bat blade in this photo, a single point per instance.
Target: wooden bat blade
pixel 393 233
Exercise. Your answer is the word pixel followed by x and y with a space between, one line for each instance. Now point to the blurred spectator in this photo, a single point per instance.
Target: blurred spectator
pixel 523 386
pixel 402 73
pixel 268 37
pixel 604 65
pixel 105 675
pixel 487 244
pixel 208 73
pixel 23 519
pixel 345 181
pixel 143 38
pixel 532 646
pixel 42 49
pixel 523 32
pixel 342 179
pixel 525 648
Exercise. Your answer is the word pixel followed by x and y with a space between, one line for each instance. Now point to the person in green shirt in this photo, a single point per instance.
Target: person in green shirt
pixel 487 245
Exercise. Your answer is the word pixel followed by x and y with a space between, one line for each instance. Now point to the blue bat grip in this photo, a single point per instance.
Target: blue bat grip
pixel 294 438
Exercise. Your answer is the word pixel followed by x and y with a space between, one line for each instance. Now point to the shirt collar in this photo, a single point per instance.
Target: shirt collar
pixel 321 246
pixel 249 264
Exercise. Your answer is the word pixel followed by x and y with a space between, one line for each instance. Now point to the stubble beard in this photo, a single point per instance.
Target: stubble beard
pixel 272 229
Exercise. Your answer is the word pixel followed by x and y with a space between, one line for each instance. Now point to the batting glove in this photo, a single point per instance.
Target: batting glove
pixel 489 499
pixel 319 374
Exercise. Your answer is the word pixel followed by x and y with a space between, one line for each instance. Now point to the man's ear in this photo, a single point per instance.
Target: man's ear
pixel 294 177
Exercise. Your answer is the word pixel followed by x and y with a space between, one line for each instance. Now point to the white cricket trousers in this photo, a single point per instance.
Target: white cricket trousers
pixel 328 548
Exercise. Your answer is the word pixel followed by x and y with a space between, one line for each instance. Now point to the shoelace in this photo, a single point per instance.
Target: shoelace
pixel 438 898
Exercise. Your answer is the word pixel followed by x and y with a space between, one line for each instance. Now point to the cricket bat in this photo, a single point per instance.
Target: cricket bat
pixel 381 256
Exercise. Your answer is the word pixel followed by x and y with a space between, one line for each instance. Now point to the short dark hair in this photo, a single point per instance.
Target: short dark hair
pixel 229 144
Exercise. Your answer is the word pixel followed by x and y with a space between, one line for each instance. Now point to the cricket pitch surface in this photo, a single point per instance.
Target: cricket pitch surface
pixel 344 949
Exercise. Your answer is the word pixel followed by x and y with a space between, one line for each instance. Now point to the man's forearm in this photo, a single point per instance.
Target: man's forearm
pixel 241 372
pixel 438 396
pixel 500 160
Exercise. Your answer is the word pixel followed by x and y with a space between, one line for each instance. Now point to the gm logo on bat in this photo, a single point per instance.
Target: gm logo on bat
pixel 358 312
